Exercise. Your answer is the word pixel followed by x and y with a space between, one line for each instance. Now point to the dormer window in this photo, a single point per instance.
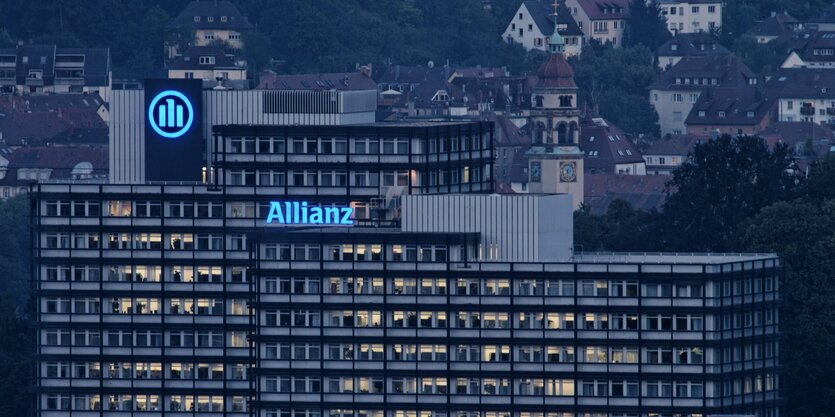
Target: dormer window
pixel 701 113
pixel 750 115
pixel 207 60
pixel 197 18
pixel 722 114
pixel 210 19
pixel 223 18
pixel 674 47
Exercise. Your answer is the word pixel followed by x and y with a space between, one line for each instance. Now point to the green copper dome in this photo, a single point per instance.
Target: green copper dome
pixel 556 42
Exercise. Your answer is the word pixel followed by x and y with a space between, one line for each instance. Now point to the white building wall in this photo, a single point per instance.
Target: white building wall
pixel 692 17
pixel 673 113
pixel 523 30
pixel 789 110
pixel 517 228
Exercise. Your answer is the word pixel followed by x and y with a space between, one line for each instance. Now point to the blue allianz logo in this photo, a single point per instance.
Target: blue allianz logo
pixel 301 213
pixel 171 114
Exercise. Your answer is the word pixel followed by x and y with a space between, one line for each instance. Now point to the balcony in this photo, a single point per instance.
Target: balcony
pixel 807 110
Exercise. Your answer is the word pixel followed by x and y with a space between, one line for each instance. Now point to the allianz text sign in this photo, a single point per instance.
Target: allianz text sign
pixel 301 213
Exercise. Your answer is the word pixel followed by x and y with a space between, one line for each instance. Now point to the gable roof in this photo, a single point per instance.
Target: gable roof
pixel 776 25
pixel 55 118
pixel 792 133
pixel 340 81
pixel 729 70
pixel 814 46
pixel 605 9
pixel 214 9
pixel 605 146
pixel 61 161
pixel 692 44
pixel 744 106
pixel 802 83
pixel 670 145
pixel 542 13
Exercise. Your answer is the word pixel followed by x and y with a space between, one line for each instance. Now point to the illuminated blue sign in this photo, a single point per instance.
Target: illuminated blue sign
pixel 301 213
pixel 171 114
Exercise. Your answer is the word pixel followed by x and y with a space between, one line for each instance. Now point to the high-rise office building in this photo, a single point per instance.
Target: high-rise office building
pixel 365 270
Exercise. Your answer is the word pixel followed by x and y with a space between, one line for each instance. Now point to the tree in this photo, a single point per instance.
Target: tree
pixel 726 181
pixel 802 233
pixel 615 81
pixel 646 25
pixel 622 228
pixel 820 185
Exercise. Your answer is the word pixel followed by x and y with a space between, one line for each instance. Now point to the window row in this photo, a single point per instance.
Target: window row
pixel 320 178
pixel 482 353
pixel 483 320
pixel 145 273
pixel 145 370
pixel 360 145
pixel 439 385
pixel 145 338
pixel 143 402
pixel 143 305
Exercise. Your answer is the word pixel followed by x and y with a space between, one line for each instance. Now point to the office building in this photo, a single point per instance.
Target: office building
pixel 367 270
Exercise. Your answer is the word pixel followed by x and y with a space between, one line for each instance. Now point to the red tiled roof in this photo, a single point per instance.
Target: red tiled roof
pixel 643 192
pixel 555 72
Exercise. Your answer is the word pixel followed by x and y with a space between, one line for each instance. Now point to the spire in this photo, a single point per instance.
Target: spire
pixel 555 43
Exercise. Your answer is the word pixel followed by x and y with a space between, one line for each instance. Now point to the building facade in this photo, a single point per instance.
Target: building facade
pixel 368 270
pixel 533 24
pixel 603 21
pixel 28 69
pixel 692 16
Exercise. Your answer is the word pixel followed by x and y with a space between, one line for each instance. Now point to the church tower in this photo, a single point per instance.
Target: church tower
pixel 555 159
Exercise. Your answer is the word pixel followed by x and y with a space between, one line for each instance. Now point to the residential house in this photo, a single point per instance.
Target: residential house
pixel 642 192
pixel 811 49
pixel 668 153
pixel 533 24
pixel 402 78
pixel 55 119
pixel 810 142
pixel 677 90
pixel 510 145
pixel 22 167
pixel 211 21
pixel 733 111
pixel 687 45
pixel 608 150
pixel 34 69
pixel 691 16
pixel 212 65
pixel 601 20
pixel 804 95
pixel 776 26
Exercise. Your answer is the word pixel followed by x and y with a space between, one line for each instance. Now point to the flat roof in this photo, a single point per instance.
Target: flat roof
pixel 706 258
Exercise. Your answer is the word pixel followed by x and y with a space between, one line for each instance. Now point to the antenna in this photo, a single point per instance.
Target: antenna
pixel 556 6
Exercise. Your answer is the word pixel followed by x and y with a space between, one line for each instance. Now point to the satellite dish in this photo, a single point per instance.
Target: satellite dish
pixel 430 64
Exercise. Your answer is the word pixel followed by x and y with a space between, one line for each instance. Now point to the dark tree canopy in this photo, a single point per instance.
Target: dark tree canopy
pixel 615 81
pixel 726 181
pixel 803 234
pixel 646 26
